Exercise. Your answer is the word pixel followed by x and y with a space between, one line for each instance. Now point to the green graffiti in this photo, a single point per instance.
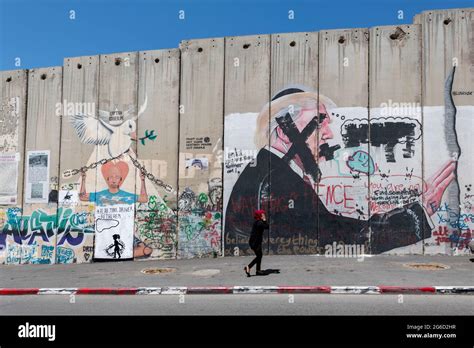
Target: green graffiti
pixel 202 198
pixel 148 135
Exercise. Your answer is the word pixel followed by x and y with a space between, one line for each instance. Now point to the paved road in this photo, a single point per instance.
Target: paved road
pixel 279 304
pixel 228 271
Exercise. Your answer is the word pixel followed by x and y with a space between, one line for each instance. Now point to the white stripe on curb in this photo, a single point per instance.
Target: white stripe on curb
pixel 355 290
pixel 255 290
pixel 174 290
pixel 149 291
pixel 57 291
pixel 454 289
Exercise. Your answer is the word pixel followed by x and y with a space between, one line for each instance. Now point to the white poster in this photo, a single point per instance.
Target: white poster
pixel 198 163
pixel 37 176
pixel 8 178
pixel 114 226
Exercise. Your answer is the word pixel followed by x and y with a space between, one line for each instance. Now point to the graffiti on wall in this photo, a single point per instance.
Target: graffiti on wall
pixel 65 230
pixel 384 131
pixel 155 230
pixel 199 221
pixel 200 234
pixel 150 135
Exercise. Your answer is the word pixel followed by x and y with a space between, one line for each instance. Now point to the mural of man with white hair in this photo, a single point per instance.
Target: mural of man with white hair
pixel 292 134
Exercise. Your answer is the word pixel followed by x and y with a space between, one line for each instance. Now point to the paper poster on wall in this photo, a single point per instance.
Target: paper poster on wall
pixel 37 176
pixel 8 178
pixel 114 226
pixel 197 163
pixel 10 118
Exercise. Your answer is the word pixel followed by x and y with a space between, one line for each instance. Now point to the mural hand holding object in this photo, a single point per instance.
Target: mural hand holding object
pixel 436 185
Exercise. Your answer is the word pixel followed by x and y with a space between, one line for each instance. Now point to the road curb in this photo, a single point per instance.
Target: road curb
pixel 194 290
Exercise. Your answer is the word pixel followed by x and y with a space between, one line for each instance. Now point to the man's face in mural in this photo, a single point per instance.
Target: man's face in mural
pixel 325 132
pixel 316 138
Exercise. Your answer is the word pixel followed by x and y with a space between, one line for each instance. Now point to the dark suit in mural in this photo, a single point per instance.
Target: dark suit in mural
pixel 300 217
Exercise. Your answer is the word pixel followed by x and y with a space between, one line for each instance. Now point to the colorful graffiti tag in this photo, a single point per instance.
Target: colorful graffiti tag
pixel 20 235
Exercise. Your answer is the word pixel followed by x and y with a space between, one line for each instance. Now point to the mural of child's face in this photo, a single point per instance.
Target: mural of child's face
pixel 114 180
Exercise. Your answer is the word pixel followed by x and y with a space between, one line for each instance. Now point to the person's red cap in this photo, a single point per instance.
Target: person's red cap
pixel 257 215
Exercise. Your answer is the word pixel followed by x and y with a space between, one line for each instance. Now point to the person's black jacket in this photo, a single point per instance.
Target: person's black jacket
pixel 256 236
pixel 308 225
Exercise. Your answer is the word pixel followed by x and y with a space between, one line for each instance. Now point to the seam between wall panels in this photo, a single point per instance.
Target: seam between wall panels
pixel 178 151
pixel 268 207
pixel 318 88
pixel 223 149
pixel 422 99
pixel 369 196
pixel 59 165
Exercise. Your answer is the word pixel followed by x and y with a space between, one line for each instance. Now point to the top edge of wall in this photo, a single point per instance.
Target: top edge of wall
pixel 420 17
pixel 81 57
pixel 246 36
pixel 184 42
pixel 57 67
pixel 206 39
pixel 118 53
pixel 160 50
pixel 383 27
pixel 465 9
pixel 296 33
pixel 14 71
pixel 170 50
pixel 346 30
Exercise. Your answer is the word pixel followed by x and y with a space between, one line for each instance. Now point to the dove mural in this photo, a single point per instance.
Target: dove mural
pixel 96 131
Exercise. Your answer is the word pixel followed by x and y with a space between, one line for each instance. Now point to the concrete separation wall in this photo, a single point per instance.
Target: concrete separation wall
pixel 355 141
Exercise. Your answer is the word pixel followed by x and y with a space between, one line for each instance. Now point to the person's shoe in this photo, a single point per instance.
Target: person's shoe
pixel 247 270
pixel 260 273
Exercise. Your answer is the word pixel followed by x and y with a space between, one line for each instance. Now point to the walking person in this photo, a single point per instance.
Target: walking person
pixel 256 236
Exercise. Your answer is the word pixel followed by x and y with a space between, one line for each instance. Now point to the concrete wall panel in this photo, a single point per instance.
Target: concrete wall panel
pixel 247 87
pixel 200 147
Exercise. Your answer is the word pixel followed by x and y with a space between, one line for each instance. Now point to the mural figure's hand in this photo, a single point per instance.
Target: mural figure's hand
pixel 83 175
pixel 436 185
pixel 142 176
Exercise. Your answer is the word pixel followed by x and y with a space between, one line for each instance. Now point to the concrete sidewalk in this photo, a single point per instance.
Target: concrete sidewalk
pixel 307 270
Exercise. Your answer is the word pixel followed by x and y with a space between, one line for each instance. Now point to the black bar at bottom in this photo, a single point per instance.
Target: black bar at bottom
pixel 244 331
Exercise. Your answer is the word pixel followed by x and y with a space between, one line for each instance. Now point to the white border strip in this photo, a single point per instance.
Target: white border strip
pixel 255 289
pixel 57 291
pixel 371 290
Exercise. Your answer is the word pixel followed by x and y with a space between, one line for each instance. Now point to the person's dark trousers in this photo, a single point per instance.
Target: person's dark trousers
pixel 258 259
